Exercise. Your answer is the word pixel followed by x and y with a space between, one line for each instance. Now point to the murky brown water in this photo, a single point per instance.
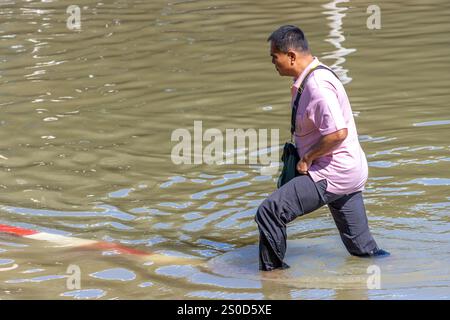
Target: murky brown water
pixel 86 123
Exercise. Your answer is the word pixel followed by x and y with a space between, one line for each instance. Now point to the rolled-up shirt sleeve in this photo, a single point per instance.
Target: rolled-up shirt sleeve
pixel 327 114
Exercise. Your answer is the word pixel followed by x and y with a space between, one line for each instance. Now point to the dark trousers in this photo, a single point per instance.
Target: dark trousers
pixel 300 196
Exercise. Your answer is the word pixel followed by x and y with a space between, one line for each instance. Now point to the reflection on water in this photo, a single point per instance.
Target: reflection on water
pixel 84 294
pixel 336 13
pixel 86 123
pixel 115 274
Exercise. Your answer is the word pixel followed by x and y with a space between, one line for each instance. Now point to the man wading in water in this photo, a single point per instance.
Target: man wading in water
pixel 332 165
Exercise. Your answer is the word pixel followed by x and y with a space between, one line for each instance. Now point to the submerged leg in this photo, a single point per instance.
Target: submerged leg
pixel 350 217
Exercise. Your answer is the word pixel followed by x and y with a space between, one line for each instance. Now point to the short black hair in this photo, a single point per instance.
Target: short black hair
pixel 289 37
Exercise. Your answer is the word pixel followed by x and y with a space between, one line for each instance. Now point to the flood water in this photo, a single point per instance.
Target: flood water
pixel 86 122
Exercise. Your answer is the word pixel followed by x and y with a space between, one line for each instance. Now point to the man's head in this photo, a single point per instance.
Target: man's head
pixel 289 50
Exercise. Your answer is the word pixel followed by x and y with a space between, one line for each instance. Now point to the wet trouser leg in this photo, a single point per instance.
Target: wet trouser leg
pixel 350 217
pixel 297 197
pixel 300 196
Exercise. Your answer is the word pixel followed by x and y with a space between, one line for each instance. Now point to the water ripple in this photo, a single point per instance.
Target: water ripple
pixel 85 294
pixel 119 274
pixel 108 211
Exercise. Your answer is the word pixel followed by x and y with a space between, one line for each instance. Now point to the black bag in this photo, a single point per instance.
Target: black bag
pixel 290 159
pixel 290 156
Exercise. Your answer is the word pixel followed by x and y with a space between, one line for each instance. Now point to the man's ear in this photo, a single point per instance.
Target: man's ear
pixel 292 55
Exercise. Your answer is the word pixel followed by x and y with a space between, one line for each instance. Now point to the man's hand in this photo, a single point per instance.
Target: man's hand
pixel 303 165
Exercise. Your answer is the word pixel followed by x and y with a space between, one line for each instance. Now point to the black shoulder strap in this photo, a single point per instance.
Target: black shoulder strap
pixel 300 91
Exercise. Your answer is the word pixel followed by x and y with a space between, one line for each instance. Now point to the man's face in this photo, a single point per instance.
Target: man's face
pixel 281 60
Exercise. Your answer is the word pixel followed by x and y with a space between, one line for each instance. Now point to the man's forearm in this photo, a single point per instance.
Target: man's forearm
pixel 326 145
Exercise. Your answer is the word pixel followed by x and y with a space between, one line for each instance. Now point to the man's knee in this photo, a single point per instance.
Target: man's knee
pixel 271 211
pixel 264 211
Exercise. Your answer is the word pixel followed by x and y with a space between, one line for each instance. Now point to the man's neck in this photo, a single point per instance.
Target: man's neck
pixel 303 64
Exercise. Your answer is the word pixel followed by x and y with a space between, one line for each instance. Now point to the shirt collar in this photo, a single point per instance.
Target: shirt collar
pixel 298 81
